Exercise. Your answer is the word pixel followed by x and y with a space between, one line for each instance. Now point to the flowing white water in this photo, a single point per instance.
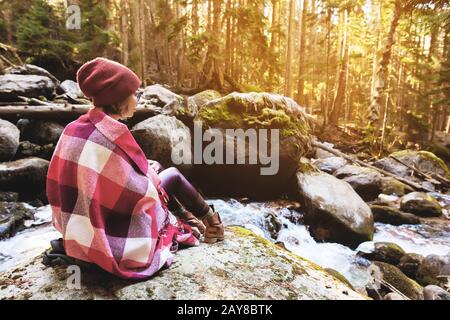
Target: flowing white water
pixel 422 239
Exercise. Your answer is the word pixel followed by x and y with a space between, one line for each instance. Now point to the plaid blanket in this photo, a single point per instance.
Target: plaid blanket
pixel 107 201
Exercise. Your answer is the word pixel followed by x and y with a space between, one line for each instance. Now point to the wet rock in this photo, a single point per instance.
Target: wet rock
pixel 339 276
pixel 393 296
pixel 40 131
pixel 159 135
pixel 423 160
pixel 395 277
pixel 9 140
pixel 30 69
pixel 255 111
pixel 386 214
pixel 244 266
pixel 365 181
pixel 432 292
pixel 333 210
pixel 272 224
pixel 392 186
pixel 12 216
pixel 433 270
pixel 421 204
pixel 409 264
pixel 14 85
pixel 6 196
pixel 24 175
pixel 330 164
pixel 384 252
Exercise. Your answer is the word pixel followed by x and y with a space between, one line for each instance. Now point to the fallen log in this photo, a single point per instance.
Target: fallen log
pixel 59 111
pixel 408 182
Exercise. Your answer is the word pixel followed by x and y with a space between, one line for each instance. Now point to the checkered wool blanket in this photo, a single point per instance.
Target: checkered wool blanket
pixel 107 201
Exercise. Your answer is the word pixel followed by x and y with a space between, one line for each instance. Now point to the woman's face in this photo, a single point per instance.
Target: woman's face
pixel 129 107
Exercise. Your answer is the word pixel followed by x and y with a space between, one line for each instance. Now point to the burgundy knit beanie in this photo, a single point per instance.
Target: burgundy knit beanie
pixel 107 82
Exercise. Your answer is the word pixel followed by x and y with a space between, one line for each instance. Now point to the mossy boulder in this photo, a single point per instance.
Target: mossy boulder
pixel 421 204
pixel 333 210
pixel 330 164
pixel 390 215
pixel 396 278
pixel 12 216
pixel 425 161
pixel 384 252
pixel 392 186
pixel 251 112
pixel 195 103
pixel 244 266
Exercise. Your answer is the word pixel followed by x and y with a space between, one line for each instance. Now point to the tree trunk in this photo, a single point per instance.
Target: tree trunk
pixel 288 70
pixel 382 73
pixel 342 79
pixel 302 54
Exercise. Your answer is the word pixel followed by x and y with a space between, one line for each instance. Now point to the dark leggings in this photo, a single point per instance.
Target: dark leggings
pixel 181 193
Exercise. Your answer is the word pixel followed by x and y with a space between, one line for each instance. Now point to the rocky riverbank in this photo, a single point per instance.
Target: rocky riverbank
pixel 371 219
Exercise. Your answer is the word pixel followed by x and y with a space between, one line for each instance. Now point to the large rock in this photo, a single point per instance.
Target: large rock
pixel 9 140
pixel 30 69
pixel 244 266
pixel 330 164
pixel 434 269
pixel 250 112
pixel 365 181
pixel 159 135
pixel 14 85
pixel 333 210
pixel 12 217
pixel 422 160
pixel 384 252
pixel 40 131
pixel 432 292
pixel 24 175
pixel 387 214
pixel 421 204
pixel 394 277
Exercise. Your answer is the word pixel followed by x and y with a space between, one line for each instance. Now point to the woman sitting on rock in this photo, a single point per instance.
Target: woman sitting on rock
pixel 109 204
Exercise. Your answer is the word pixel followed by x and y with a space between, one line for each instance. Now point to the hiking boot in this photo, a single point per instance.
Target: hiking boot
pixel 214 228
pixel 191 220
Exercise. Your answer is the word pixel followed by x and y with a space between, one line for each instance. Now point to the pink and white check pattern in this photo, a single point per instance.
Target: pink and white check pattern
pixel 107 201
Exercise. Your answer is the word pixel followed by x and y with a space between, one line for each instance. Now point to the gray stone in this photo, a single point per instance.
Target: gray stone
pixel 334 211
pixel 409 264
pixel 330 164
pixel 433 292
pixel 24 175
pixel 14 85
pixel 392 186
pixel 71 89
pixel 365 181
pixel 9 140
